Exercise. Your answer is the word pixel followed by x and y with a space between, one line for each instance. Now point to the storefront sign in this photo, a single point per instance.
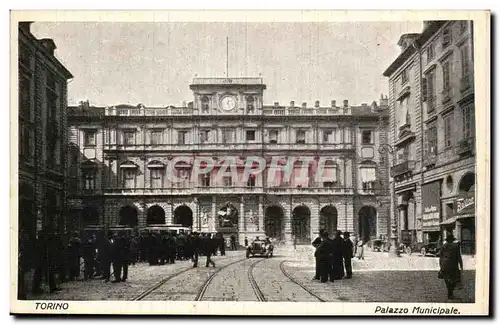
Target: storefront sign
pixel 465 205
pixel 431 199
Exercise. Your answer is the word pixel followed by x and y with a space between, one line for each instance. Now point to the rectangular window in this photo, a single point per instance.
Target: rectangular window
pixel 402 155
pixel 404 76
pixel 156 178
pixel 156 137
pixel 368 178
pixel 128 138
pixel 329 136
pixel 273 136
pixel 469 127
pixel 300 137
pixel 181 137
pixel 89 138
pixel 430 147
pixel 25 142
pixel 446 75
pixel 367 137
pixel 448 130
pixel 204 136
pixel 129 177
pixel 205 180
pixel 251 181
pixel 430 52
pixel 227 181
pixel 250 135
pixel 227 136
pixel 89 176
pixel 430 90
pixel 464 51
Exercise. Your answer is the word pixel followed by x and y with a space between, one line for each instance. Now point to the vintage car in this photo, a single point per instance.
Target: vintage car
pixel 430 249
pixel 378 245
pixel 260 247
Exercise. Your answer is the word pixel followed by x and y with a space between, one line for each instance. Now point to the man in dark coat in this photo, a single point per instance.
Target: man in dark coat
pixel 450 264
pixel 338 259
pixel 74 254
pixel 45 264
pixel 120 258
pixel 164 254
pixel 348 254
pixel 221 244
pixel 316 244
pixel 88 258
pixel 208 245
pixel 152 251
pixel 172 249
pixel 196 247
pixel 324 258
pixel 233 243
pixel 105 251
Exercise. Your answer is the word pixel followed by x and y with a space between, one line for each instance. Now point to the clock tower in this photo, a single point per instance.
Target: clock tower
pixel 228 96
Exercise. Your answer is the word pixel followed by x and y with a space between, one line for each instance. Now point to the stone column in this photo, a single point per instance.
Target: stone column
pixel 172 219
pixel 261 214
pixel 287 219
pixel 214 213
pixel 241 221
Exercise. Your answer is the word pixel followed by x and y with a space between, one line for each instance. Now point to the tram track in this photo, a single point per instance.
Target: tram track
pixel 256 289
pixel 282 268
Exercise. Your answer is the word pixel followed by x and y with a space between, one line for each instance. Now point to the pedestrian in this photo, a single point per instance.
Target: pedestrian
pixel 134 247
pixel 450 264
pixel 361 249
pixel 151 248
pixel 233 243
pixel 195 247
pixel 348 254
pixel 181 246
pixel 222 244
pixel 172 249
pixel 88 251
pixel 106 255
pixel 324 255
pixel 246 241
pixel 315 243
pixel 164 254
pixel 338 259
pixel 208 246
pixel 45 264
pixel 74 255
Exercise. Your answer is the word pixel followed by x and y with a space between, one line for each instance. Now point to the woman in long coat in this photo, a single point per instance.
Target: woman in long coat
pixel 450 263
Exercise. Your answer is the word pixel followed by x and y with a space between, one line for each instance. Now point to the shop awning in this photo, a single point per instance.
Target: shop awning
pixel 455 218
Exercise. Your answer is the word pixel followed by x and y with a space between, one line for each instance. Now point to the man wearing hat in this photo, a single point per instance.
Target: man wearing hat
pixel 450 263
pixel 348 254
pixel 316 244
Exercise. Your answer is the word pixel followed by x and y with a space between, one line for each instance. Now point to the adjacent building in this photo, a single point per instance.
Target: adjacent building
pixel 121 159
pixel 432 133
pixel 42 134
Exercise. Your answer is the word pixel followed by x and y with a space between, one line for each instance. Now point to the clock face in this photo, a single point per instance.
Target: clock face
pixel 228 103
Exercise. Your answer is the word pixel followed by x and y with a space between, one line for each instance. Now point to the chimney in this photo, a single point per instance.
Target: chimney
pixel 304 105
pixel 48 44
pixel 316 104
pixel 25 26
pixel 334 103
pixel 346 103
pixel 276 104
pixel 292 104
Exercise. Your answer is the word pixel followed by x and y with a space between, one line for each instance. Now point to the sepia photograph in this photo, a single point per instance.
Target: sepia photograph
pixel 229 165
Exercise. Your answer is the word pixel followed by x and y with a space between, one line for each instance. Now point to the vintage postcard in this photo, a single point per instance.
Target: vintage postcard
pixel 250 162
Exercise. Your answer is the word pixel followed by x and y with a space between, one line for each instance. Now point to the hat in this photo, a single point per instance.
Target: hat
pixel 449 237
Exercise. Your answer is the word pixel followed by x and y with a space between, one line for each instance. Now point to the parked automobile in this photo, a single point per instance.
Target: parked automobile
pixel 378 245
pixel 260 247
pixel 430 249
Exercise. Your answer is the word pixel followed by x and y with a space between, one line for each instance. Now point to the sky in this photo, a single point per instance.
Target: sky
pixel 154 63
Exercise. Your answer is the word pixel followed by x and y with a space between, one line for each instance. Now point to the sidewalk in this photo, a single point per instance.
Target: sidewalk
pixel 376 261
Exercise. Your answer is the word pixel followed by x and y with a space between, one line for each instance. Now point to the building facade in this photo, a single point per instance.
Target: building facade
pixel 123 161
pixel 432 132
pixel 42 134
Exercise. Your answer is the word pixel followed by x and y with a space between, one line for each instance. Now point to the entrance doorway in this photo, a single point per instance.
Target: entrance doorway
pixel 367 219
pixel 183 215
pixel 301 224
pixel 274 225
pixel 128 216
pixel 328 219
pixel 156 215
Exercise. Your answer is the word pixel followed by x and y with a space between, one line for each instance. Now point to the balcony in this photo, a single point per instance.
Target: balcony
pixel 279 190
pixel 466 146
pixel 319 111
pixel 228 81
pixel 402 168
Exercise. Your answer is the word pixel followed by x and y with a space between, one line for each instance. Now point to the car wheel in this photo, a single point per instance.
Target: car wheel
pixel 423 251
pixel 408 250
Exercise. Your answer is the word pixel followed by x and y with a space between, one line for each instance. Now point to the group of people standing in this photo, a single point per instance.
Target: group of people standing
pixel 55 259
pixel 333 256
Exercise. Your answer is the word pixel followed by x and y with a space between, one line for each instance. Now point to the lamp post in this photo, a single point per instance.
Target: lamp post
pixel 388 149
